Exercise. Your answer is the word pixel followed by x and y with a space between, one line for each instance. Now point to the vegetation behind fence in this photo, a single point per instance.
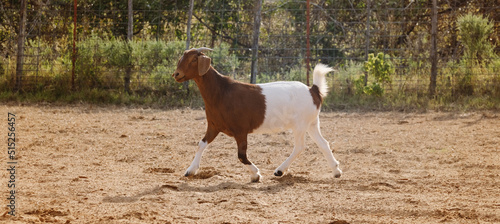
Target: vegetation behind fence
pixel 383 50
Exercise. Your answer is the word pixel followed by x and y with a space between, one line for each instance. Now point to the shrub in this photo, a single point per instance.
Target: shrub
pixel 474 31
pixel 379 69
pixel 223 60
pixel 346 74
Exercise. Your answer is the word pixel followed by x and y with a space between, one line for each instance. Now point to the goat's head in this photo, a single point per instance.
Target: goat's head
pixel 193 63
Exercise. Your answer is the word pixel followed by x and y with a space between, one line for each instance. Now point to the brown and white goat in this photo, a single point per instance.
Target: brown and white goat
pixel 238 109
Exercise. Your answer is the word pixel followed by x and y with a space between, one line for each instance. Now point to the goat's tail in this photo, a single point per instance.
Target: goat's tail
pixel 319 78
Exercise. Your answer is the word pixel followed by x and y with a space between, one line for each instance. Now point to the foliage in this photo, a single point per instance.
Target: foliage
pixel 102 62
pixel 373 88
pixel 343 33
pixel 224 61
pixel 379 69
pixel 474 33
pixel 346 76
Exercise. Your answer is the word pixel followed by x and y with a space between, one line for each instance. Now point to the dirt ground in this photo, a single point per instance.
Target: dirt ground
pixel 91 164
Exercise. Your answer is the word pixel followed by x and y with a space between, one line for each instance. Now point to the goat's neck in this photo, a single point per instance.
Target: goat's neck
pixel 211 86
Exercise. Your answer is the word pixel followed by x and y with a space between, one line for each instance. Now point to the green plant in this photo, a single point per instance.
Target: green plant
pixel 379 68
pixel 345 77
pixel 474 31
pixel 223 60
pixel 87 69
pixel 117 53
pixel 294 73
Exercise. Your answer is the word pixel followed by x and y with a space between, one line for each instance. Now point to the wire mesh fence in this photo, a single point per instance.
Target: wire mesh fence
pixel 342 34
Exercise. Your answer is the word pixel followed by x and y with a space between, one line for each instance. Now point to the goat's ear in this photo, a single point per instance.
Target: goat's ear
pixel 203 64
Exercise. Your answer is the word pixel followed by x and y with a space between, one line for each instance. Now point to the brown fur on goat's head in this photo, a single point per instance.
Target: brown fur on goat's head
pixel 192 64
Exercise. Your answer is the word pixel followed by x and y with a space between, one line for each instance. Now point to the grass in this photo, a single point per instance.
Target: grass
pixel 413 102
pixel 337 99
pixel 105 97
pixel 100 71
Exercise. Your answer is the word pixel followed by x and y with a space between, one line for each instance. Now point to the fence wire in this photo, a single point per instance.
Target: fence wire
pixel 343 34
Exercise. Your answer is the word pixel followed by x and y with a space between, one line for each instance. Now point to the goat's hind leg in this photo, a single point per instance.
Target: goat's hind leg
pixel 202 145
pixel 315 134
pixel 300 145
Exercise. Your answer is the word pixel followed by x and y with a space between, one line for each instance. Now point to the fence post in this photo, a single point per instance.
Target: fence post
pixel 73 60
pixel 434 59
pixel 188 33
pixel 130 33
pixel 20 46
pixel 308 44
pixel 255 45
pixel 367 46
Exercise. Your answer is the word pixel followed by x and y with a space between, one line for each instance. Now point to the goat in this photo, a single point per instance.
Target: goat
pixel 238 109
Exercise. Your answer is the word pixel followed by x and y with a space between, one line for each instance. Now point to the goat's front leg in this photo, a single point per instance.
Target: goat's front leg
pixel 202 145
pixel 242 156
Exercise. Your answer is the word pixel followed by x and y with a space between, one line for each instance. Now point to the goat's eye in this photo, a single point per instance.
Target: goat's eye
pixel 195 59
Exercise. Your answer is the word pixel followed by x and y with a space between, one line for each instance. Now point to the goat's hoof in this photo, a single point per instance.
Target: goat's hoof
pixel 338 173
pixel 278 173
pixel 256 179
pixel 189 173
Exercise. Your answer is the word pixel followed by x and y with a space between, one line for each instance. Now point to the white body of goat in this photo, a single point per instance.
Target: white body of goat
pixel 290 106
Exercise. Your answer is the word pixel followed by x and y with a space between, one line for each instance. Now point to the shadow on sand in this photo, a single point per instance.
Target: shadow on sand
pixel 276 185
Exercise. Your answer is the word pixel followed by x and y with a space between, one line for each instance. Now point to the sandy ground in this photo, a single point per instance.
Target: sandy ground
pixel 90 164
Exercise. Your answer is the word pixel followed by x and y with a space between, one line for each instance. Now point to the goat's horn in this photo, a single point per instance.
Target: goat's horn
pixel 201 49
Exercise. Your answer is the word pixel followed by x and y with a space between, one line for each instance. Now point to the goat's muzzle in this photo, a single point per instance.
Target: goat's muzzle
pixel 178 77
